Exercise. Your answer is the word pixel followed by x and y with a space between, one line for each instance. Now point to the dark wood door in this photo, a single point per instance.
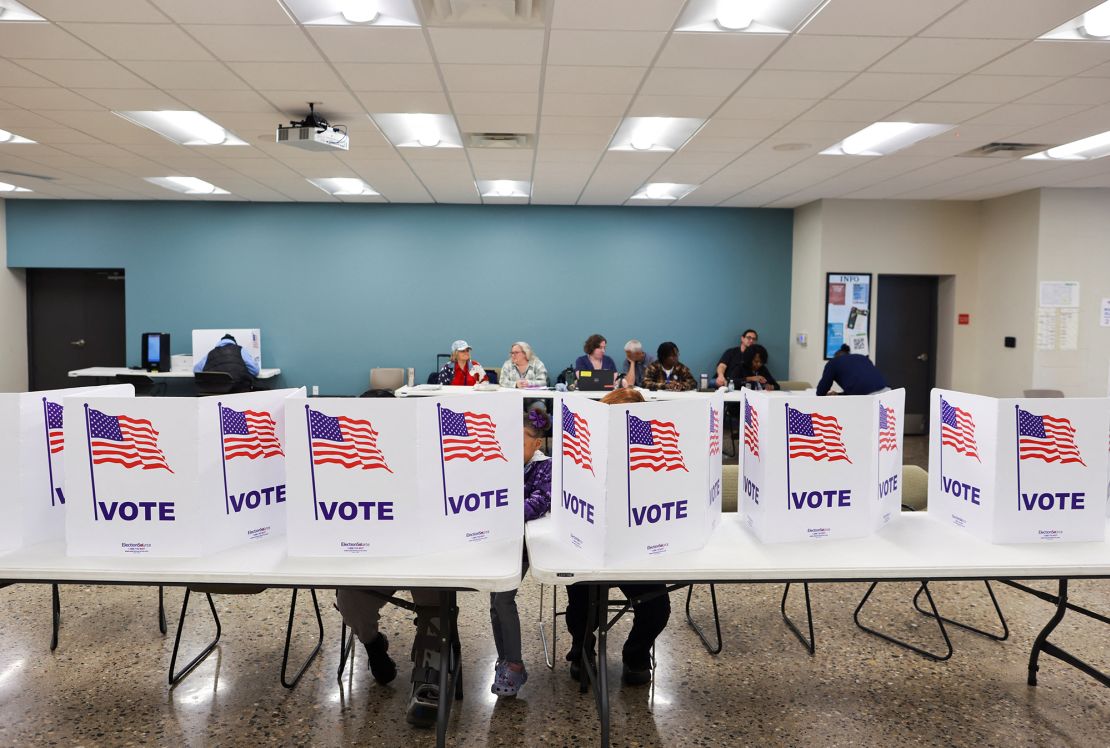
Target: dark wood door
pixel 75 319
pixel 906 341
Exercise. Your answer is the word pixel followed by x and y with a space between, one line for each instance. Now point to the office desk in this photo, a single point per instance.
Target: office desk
pixel 915 547
pixel 107 372
pixel 734 396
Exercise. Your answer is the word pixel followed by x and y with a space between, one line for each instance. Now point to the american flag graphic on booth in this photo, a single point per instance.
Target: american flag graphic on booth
pixel 131 442
pixel 888 429
pixel 469 436
pixel 576 439
pixel 1046 438
pixel 653 444
pixel 714 432
pixel 54 426
pixel 249 433
pixel 339 440
pixel 816 436
pixel 957 429
pixel 751 429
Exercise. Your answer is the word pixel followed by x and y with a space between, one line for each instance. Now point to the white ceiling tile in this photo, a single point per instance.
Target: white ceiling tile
pixel 725 51
pixel 496 123
pixel 938 55
pixel 848 110
pixel 219 101
pixel 14 76
pixel 1027 115
pixel 354 44
pixel 720 127
pixel 566 156
pixel 693 82
pixel 684 173
pixel 54 135
pixel 490 78
pixel 991 88
pixel 252 12
pixel 86 73
pixel 384 102
pixel 616 15
pixel 851 53
pixel 900 87
pixel 882 17
pixel 790 84
pixel 279 76
pixel 131 41
pixel 286 44
pixel 488 46
pixel 132 99
pixel 820 134
pixel 378 76
pixel 630 48
pixel 1090 91
pixel 493 103
pixel 45 99
pixel 589 105
pixel 1049 58
pixel 742 107
pixel 1102 71
pixel 674 106
pixel 186 75
pixel 577 125
pixel 942 112
pixel 331 104
pixel 580 79
pixel 1006 19
pixel 719 146
pixel 102 11
pixel 596 142
pixel 42 41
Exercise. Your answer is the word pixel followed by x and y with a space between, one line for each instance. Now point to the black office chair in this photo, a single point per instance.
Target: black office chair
pixel 214 383
pixel 144 385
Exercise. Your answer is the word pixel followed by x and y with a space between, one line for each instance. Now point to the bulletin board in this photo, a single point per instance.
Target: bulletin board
pixel 847 312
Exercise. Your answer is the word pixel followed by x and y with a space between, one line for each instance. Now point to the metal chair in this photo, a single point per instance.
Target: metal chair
pixel 213 382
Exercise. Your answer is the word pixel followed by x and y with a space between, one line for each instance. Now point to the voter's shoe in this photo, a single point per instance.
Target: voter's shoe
pixel 382 666
pixel 633 676
pixel 424 705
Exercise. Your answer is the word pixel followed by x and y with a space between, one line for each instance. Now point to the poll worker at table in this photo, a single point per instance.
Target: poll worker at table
pixel 594 357
pixel 636 360
pixel 728 368
pixel 524 368
pixel 855 374
pixel 754 373
pixel 510 673
pixel 461 370
pixel 230 358
pixel 649 616
pixel 668 373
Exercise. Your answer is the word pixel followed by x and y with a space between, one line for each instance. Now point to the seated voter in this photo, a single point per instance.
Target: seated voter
pixel 230 358
pixel 636 360
pixel 753 369
pixel 668 373
pixel 728 368
pixel 461 371
pixel 594 357
pixel 649 616
pixel 523 369
pixel 855 374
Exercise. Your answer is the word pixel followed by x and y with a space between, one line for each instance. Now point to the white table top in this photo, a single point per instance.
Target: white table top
pixel 111 371
pixel 649 395
pixel 485 567
pixel 914 546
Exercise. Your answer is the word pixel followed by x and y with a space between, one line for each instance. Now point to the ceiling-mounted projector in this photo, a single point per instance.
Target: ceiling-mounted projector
pixel 313 133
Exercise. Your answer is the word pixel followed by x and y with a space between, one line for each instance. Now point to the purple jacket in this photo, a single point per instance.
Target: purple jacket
pixel 537 489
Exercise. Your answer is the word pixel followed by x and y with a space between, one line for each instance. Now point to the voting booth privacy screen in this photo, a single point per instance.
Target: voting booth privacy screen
pixel 384 477
pixel 166 477
pixel 1019 470
pixel 32 461
pixel 820 467
pixel 637 480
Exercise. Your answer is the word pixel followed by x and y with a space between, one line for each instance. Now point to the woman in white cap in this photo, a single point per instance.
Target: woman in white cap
pixel 461 371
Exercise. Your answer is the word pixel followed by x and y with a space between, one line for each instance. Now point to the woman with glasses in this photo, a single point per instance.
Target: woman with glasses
pixel 523 369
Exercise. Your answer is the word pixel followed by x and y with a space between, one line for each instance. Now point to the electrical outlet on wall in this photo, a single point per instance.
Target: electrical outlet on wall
pixel 315 390
pixel 802 339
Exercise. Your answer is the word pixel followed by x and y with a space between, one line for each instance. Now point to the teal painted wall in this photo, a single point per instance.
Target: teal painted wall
pixel 338 289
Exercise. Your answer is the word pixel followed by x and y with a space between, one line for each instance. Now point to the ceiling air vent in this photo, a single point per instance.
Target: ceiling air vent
pixel 498 140
pixel 1004 150
pixel 26 174
pixel 484 12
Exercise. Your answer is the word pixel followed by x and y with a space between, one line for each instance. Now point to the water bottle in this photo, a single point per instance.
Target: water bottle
pixel 704 382
pixel 731 386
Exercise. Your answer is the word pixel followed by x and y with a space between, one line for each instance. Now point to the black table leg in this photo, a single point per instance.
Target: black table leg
pixel 289 636
pixel 811 643
pixel 936 617
pixel 711 648
pixel 55 615
pixel 1042 644
pixel 175 678
pixel 997 609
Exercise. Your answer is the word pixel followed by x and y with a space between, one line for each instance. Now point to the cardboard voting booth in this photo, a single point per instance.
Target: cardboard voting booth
pixel 637 480
pixel 165 476
pixel 820 467
pixel 32 461
pixel 1019 470
pixel 385 477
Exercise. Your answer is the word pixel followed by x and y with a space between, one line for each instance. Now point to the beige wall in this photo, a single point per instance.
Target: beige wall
pixel 13 320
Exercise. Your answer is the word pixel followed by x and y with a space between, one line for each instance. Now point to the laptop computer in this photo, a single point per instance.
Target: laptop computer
pixel 596 380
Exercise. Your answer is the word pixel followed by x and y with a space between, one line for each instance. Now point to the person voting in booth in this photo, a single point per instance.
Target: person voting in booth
pixel 230 358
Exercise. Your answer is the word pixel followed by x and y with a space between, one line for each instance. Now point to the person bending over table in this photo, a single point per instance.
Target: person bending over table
pixel 523 369
pixel 230 358
pixel 728 368
pixel 855 374
pixel 668 373
pixel 754 373
pixel 594 357
pixel 461 370
pixel 649 617
pixel 636 360
pixel 510 673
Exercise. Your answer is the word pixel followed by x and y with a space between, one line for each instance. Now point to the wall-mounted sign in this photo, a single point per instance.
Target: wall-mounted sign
pixel 847 312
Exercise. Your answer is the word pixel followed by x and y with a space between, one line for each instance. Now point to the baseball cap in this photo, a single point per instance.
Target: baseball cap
pixel 460 345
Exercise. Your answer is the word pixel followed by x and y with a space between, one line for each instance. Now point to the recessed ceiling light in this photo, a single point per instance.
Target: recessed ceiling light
pixel 10 138
pixel 504 188
pixel 354 12
pixel 734 15
pixel 5 187
pixel 664 191
pixel 1087 149
pixel 344 186
pixel 884 138
pixel 187 185
pixel 360 11
pixel 183 127
pixel 1092 25
pixel 419 130
pixel 10 10
pixel 654 133
pixel 748 16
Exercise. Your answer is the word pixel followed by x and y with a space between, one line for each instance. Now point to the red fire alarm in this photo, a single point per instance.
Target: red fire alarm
pixel 965 319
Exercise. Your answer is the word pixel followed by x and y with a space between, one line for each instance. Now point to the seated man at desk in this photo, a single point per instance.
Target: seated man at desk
pixel 667 372
pixel 230 358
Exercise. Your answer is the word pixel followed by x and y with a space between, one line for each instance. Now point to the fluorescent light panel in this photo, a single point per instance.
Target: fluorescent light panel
pixel 354 12
pixel 664 191
pixel 654 133
pixel 1092 25
pixel 1087 149
pixel 344 186
pixel 183 127
pixel 10 138
pixel 504 188
pixel 884 138
pixel 5 187
pixel 187 185
pixel 748 16
pixel 419 130
pixel 10 10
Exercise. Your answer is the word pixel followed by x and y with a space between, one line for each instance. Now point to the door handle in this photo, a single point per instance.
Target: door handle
pixel 923 357
pixel 78 343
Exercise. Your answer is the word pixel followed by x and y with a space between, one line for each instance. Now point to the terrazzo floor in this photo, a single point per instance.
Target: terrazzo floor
pixel 106 683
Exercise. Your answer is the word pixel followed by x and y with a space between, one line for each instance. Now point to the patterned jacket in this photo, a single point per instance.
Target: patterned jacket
pixel 655 378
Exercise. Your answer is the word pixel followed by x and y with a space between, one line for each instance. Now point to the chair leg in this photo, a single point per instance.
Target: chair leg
pixel 811 643
pixel 936 616
pixel 997 609
pixel 161 610
pixel 346 650
pixel 55 616
pixel 711 648
pixel 289 635
pixel 176 677
pixel 550 654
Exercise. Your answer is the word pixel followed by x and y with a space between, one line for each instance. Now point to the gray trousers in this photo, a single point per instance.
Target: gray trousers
pixel 505 618
pixel 361 610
